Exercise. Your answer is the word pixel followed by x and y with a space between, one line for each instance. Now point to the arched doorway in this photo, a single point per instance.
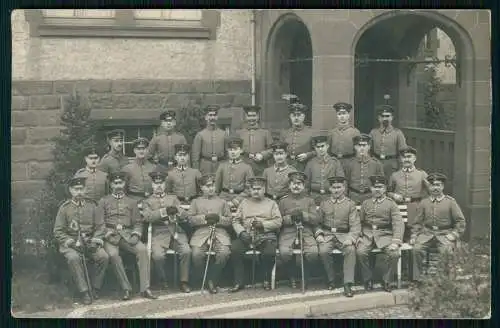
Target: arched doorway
pixel 288 69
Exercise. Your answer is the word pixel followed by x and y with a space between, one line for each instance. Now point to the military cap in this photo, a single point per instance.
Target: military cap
pixel 167 115
pixel 342 106
pixel 257 181
pixel 436 177
pixel 385 109
pixel 336 179
pixel 279 145
pixel 252 108
pixel 114 134
pixel 141 142
pixel 234 142
pixel 113 176
pixel 207 179
pixel 77 181
pixel 158 176
pixel 211 108
pixel 408 150
pixel 361 138
pixel 378 179
pixel 297 176
pixel 184 148
pixel 297 107
pixel 319 139
pixel 90 150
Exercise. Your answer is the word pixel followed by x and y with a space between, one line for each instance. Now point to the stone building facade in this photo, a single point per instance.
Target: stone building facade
pixel 129 64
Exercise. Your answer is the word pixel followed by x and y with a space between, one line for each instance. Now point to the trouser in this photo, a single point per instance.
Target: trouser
pixel 100 260
pixel 141 254
pixel 268 256
pixel 390 165
pixel 420 251
pixel 349 252
pixel 160 245
pixel 286 256
pixel 217 261
pixel 389 258
pixel 208 167
pixel 359 198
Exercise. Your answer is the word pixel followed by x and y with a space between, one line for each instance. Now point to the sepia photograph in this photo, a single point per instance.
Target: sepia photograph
pixel 251 163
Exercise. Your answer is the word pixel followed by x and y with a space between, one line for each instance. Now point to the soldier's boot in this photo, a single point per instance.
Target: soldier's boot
pixel 293 283
pixel 148 294
pixel 348 290
pixel 212 288
pixel 95 294
pixel 126 295
pixel 185 287
pixel 386 286
pixel 368 285
pixel 86 298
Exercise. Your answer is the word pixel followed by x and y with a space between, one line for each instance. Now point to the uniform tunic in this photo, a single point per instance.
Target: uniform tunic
pixel 358 173
pixel 299 142
pixel 318 170
pixel 277 181
pixel 96 183
pixel 387 143
pixel 256 140
pixel 208 149
pixel 139 181
pixel 341 144
pixel 230 178
pixel 183 182
pixel 163 144
pixel 112 162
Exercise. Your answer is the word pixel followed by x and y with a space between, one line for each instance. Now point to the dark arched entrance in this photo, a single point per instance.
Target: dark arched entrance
pixel 288 69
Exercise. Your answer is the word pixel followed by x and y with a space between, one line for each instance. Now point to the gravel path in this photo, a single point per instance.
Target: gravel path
pixel 395 312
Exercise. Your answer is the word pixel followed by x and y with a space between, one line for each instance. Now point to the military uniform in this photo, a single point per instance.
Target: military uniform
pixel 182 182
pixel 72 216
pixel 137 172
pixel 277 181
pixel 230 178
pixel 436 218
pixel 96 184
pixel 113 162
pixel 341 137
pixel 382 225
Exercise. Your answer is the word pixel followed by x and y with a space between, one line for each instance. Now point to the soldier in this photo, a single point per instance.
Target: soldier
pixel 78 230
pixel 231 175
pixel 114 160
pixel 382 228
pixel 297 208
pixel 320 168
pixel 360 168
pixel 388 141
pixel 162 210
pixel 439 223
pixel 139 182
pixel 123 231
pixel 162 145
pixel 408 185
pixel 339 228
pixel 277 175
pixel 209 144
pixel 298 137
pixel 256 141
pixel 182 180
pixel 340 138
pixel 96 184
pixel 206 211
pixel 256 224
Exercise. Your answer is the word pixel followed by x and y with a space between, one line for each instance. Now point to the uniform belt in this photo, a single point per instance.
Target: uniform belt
pixel 382 157
pixel 274 197
pixel 138 194
pixel 209 158
pixel 320 191
pixel 378 227
pixel 437 228
pixel 337 230
pixel 186 199
pixel 117 226
pixel 411 199
pixel 342 156
pixel 359 191
pixel 167 162
pixel 232 191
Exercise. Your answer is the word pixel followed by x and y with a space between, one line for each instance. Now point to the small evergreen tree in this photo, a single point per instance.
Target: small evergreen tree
pixel 434 112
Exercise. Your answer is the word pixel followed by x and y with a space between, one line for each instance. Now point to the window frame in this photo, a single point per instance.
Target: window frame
pixel 123 25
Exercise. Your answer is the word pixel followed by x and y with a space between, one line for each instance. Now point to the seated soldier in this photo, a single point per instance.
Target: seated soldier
pixel 78 230
pixel 204 212
pixel 162 210
pixel 297 209
pixel 277 175
pixel 182 180
pixel 96 183
pixel 339 228
pixel 383 228
pixel 256 224
pixel 439 223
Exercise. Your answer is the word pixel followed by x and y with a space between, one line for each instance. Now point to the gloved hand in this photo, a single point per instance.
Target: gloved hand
pixel 245 237
pixel 172 210
pixel 78 246
pixel 183 216
pixel 212 218
pixel 297 216
pixel 258 225
pixel 134 239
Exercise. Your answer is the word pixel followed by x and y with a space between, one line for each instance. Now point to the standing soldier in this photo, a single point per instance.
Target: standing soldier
pixel 231 175
pixel 123 231
pixel 256 224
pixel 204 212
pixel 139 182
pixel 162 210
pixel 388 141
pixel 339 228
pixel 360 168
pixel 114 160
pixel 408 185
pixel 277 175
pixel 320 168
pixel 182 180
pixel 439 222
pixel 78 230
pixel 341 145
pixel 209 143
pixel 383 228
pixel 256 141
pixel 298 137
pixel 297 208
pixel 162 145
pixel 96 184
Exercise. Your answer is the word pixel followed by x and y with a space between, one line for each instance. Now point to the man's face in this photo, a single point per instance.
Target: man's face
pixel 343 116
pixel 116 144
pixel 296 186
pixel 257 191
pixel 117 185
pixel 168 124
pixel 362 148
pixel 140 152
pixel 337 189
pixel 208 189
pixel 158 187
pixel 77 191
pixel 182 158
pixel 297 118
pixel 252 118
pixel 211 118
pixel 321 148
pixel 92 160
pixel 378 190
pixel 385 119
pixel 279 156
pixel 408 159
pixel 437 188
pixel 234 152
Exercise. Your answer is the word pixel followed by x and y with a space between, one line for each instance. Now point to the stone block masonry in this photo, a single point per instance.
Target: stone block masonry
pixel 37 107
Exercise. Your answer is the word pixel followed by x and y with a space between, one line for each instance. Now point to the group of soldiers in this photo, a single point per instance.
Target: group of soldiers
pixel 305 191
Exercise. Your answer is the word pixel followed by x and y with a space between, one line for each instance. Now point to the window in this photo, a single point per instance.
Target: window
pixel 127 23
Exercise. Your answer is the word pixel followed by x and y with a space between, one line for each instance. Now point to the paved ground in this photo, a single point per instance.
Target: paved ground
pixel 395 312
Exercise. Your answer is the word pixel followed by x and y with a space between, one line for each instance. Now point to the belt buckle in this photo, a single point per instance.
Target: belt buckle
pixel 214 158
pixel 374 227
pixel 147 194
pixel 435 228
pixel 334 230
pixel 292 157
pixel 322 191
pixel 340 155
pixel 119 227
pixel 231 191
pixel 251 155
pixel 407 199
pixel 170 163
pixel 275 197
pixel 382 156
